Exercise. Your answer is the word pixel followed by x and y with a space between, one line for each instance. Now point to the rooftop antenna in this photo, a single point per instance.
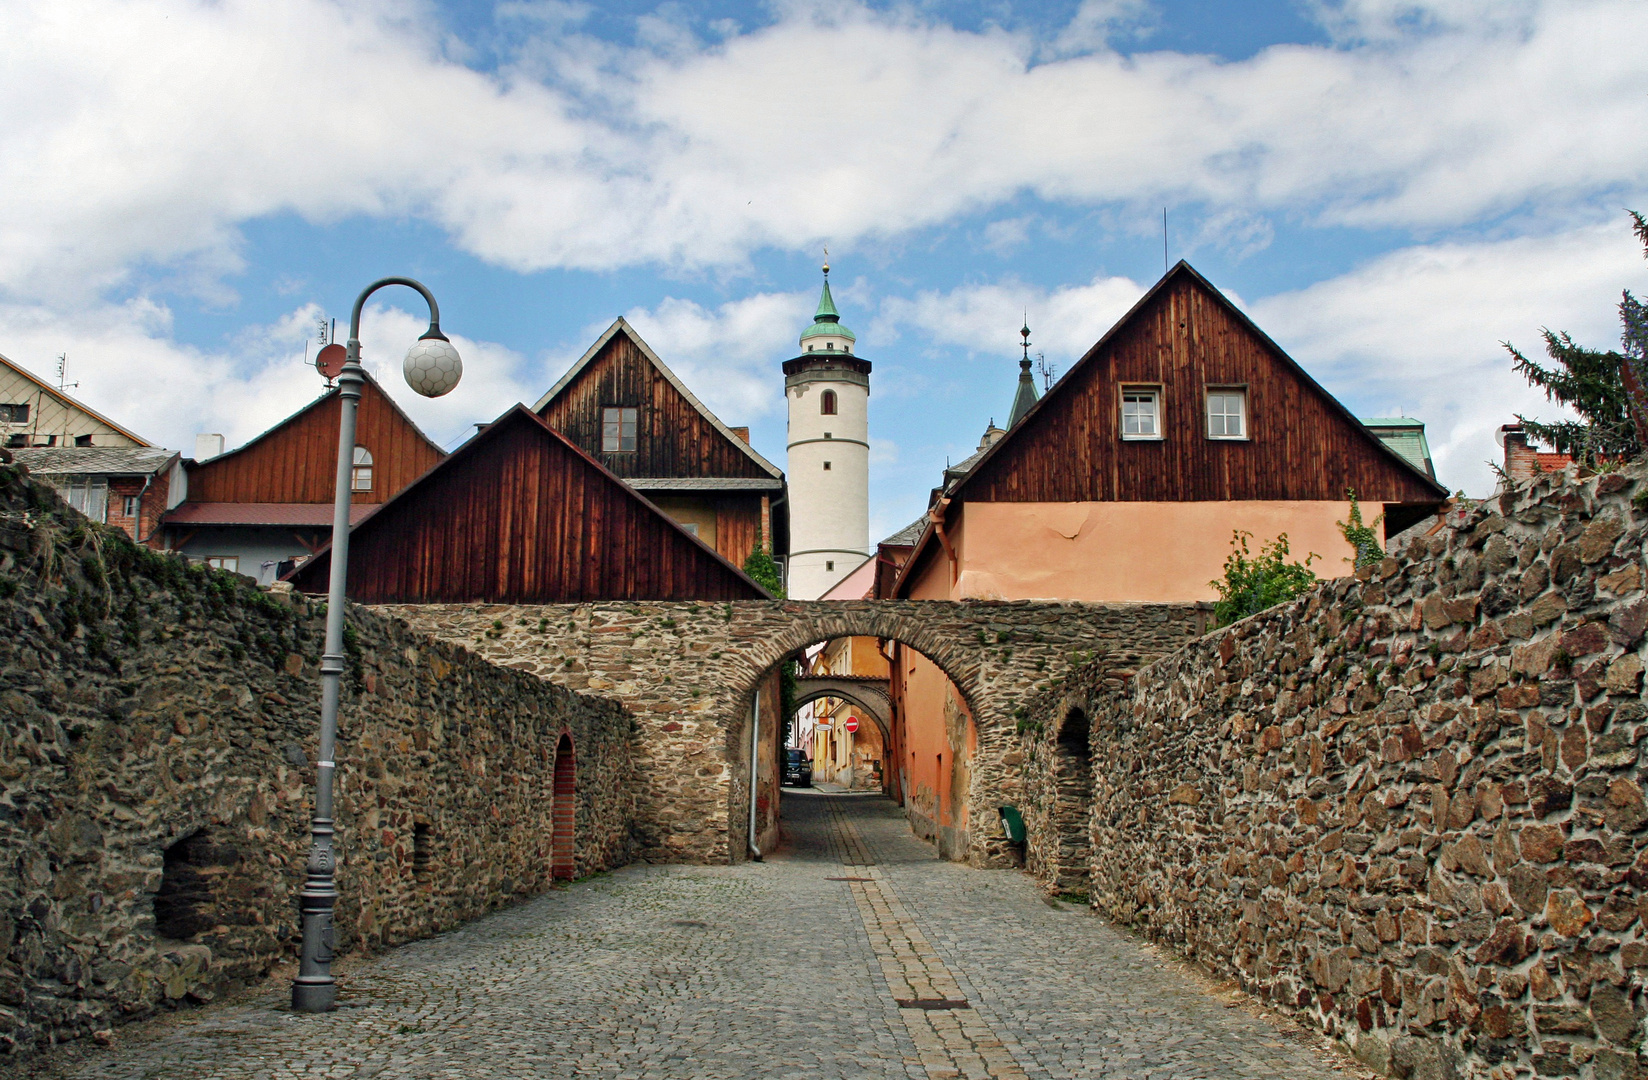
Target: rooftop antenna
pixel 1165 267
pixel 62 364
pixel 1048 372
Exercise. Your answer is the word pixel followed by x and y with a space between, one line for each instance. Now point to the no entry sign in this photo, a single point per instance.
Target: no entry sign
pixel 851 725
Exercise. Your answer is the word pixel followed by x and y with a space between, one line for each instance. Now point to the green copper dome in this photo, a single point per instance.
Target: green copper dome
pixel 827 320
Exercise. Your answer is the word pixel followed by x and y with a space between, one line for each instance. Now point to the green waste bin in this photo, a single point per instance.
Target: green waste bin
pixel 1012 823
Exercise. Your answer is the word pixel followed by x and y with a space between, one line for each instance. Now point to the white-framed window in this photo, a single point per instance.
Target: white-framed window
pixel 87 494
pixel 360 477
pixel 618 426
pixel 1141 412
pixel 1227 413
pixel 130 506
pixel 224 562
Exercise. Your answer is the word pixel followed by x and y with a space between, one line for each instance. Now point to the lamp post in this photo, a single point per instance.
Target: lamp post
pixel 432 368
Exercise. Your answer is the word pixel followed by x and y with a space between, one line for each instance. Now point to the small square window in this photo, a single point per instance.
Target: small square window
pixel 829 565
pixel 1141 414
pixel 82 440
pixel 618 429
pixel 131 506
pixel 224 562
pixel 826 466
pixel 690 526
pixel 1227 414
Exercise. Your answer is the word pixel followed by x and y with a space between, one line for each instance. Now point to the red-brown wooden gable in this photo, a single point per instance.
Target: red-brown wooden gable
pixel 297 461
pixel 1184 338
pixel 520 515
pixel 673 438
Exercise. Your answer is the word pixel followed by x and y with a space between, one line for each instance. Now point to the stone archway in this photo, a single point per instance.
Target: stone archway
pixel 867 693
pixel 689 671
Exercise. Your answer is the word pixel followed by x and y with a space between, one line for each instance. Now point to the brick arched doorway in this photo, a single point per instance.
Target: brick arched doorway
pixel 563 861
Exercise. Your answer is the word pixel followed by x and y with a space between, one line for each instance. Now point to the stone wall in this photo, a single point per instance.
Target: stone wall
pixel 1409 805
pixel 688 671
pixel 157 737
pixel 1055 791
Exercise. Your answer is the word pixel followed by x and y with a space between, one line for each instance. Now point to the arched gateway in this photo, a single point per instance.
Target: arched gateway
pixel 690 673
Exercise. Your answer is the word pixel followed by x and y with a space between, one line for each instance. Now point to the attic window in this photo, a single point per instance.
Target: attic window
pixel 1141 413
pixel 1227 413
pixel 82 440
pixel 826 403
pixel 14 414
pixel 360 477
pixel 618 426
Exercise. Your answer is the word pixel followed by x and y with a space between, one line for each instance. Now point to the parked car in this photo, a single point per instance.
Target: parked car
pixel 798 768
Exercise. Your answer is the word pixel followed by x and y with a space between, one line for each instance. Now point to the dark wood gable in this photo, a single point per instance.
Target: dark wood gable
pixel 676 435
pixel 519 515
pixel 297 460
pixel 1185 337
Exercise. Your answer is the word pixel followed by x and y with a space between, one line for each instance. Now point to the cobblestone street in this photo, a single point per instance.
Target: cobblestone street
pixel 852 952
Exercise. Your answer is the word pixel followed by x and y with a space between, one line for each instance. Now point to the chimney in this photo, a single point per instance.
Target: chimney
pixel 1521 461
pixel 741 432
pixel 208 446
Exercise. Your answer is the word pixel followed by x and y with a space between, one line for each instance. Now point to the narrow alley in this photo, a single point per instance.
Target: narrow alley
pixel 852 952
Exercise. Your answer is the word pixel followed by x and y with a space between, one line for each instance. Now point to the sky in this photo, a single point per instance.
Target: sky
pixel 1390 189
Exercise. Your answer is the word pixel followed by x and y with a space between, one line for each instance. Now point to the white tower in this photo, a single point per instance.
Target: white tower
pixel 828 389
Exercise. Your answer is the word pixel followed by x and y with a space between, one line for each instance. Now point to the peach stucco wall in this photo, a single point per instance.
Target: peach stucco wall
pixel 1143 552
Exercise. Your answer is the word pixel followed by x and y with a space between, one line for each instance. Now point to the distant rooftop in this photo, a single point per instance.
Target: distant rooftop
pixel 1406 436
pixel 92 460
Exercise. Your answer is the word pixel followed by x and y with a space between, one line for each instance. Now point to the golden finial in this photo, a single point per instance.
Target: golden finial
pixel 826 262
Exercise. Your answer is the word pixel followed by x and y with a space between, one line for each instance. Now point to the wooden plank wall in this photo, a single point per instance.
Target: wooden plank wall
pixel 737 527
pixel 297 462
pixel 672 438
pixel 1300 446
pixel 523 518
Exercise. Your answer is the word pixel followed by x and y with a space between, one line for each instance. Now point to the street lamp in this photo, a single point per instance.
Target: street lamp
pixel 432 368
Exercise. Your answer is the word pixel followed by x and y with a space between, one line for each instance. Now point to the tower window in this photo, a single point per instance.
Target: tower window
pixel 830 345
pixel 829 565
pixel 826 466
pixel 826 404
pixel 360 479
pixel 618 430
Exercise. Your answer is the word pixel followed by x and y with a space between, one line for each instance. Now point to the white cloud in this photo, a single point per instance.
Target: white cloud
pixel 984 319
pixel 145 135
pixel 1421 328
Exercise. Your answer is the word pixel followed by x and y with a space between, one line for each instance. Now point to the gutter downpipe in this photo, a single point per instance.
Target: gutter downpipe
pixel 937 516
pixel 755 751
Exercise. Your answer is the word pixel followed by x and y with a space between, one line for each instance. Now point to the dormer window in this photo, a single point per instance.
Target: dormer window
pixel 826 403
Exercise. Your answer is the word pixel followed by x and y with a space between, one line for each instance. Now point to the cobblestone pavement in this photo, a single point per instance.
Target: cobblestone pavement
pixel 852 952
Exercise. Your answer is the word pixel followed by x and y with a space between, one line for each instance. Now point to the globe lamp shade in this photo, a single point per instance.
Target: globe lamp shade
pixel 432 366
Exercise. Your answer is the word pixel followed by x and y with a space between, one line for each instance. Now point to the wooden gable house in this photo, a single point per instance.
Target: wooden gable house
pixel 622 405
pixel 521 515
pixel 1183 425
pixel 269 502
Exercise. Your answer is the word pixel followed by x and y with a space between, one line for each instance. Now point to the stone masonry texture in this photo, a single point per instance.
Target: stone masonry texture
pixel 158 723
pixel 1408 805
pixel 688 672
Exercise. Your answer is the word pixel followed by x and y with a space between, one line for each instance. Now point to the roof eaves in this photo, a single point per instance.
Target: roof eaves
pixel 620 324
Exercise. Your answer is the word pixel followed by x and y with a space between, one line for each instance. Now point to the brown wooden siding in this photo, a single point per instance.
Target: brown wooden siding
pixel 298 461
pixel 672 437
pixel 520 516
pixel 1187 339
pixel 737 527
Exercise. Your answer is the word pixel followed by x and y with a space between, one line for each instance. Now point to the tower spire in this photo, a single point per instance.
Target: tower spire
pixel 1026 394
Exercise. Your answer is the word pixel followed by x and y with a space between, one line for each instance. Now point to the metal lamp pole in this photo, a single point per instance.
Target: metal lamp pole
pixel 432 368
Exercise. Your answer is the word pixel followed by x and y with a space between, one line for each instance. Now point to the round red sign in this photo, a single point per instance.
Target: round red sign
pixel 851 725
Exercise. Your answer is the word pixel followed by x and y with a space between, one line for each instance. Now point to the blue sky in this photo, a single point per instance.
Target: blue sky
pixel 1389 188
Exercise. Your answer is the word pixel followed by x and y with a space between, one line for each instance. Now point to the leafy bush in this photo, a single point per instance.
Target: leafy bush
pixel 1253 583
pixel 764 572
pixel 1363 538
